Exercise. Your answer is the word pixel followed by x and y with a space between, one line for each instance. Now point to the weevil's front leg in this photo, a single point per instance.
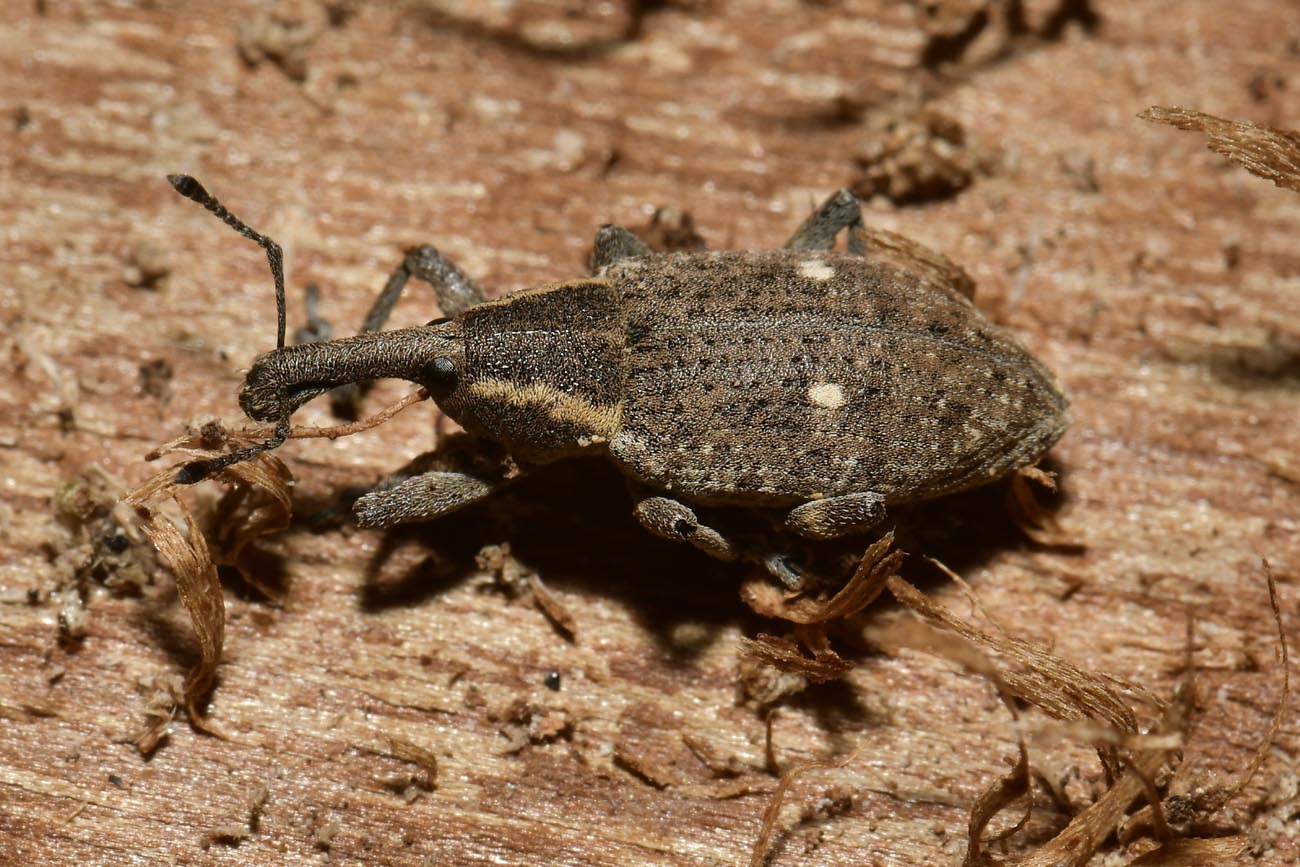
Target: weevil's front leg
pixel 462 471
pixel 613 244
pixel 836 516
pixel 456 292
pixel 421 498
pixel 841 211
pixel 674 520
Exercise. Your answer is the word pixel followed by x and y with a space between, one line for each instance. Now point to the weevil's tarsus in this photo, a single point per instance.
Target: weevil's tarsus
pixel 456 290
pixel 194 191
pixel 879 563
pixel 785 569
pixel 841 211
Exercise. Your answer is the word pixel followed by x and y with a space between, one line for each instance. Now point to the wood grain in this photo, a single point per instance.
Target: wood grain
pixel 1159 283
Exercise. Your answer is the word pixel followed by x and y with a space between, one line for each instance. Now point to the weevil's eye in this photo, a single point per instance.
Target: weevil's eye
pixel 439 321
pixel 442 374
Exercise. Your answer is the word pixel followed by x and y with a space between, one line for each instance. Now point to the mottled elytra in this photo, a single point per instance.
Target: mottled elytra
pixel 823 387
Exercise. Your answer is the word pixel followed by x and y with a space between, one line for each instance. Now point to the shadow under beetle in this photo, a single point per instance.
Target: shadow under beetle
pixel 822 386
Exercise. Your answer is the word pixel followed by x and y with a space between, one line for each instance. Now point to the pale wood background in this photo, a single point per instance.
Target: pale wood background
pixel 1160 284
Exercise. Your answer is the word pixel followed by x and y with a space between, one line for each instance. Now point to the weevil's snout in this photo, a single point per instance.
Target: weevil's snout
pixel 431 356
pixel 274 381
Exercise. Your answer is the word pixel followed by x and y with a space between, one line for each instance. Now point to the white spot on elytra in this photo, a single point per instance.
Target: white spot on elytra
pixel 817 270
pixel 827 395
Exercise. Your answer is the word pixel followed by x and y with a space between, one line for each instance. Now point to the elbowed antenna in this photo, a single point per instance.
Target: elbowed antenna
pixel 197 471
pixel 191 189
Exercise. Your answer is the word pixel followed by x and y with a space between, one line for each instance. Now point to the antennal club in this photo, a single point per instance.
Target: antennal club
pixel 197 471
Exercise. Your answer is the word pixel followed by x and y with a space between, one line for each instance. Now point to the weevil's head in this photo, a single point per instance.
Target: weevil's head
pixel 432 355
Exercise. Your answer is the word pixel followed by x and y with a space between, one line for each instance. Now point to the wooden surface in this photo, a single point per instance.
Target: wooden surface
pixel 1162 286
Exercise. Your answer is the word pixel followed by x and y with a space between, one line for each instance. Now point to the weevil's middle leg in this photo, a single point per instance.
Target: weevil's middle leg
pixel 832 517
pixel 675 520
pixel 841 211
pixel 456 293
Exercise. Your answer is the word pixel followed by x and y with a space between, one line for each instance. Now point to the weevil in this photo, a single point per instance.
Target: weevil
pixel 823 387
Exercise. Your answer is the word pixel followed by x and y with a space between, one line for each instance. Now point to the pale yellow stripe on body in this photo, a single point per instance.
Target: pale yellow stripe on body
pixel 598 420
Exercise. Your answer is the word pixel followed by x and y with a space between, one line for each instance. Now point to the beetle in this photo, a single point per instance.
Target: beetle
pixel 821 386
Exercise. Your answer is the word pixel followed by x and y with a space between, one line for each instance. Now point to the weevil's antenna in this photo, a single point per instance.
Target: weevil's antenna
pixel 197 471
pixel 193 190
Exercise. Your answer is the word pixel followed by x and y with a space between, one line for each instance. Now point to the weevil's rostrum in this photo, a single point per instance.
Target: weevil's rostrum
pixel 823 386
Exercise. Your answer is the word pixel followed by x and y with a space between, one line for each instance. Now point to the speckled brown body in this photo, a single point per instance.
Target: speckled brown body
pixel 758 378
pixel 827 384
pixel 772 378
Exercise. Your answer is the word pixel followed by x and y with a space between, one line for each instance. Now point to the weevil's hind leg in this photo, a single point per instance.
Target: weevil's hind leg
pixel 836 516
pixel 456 292
pixel 674 520
pixel 461 472
pixel 841 211
pixel 613 244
